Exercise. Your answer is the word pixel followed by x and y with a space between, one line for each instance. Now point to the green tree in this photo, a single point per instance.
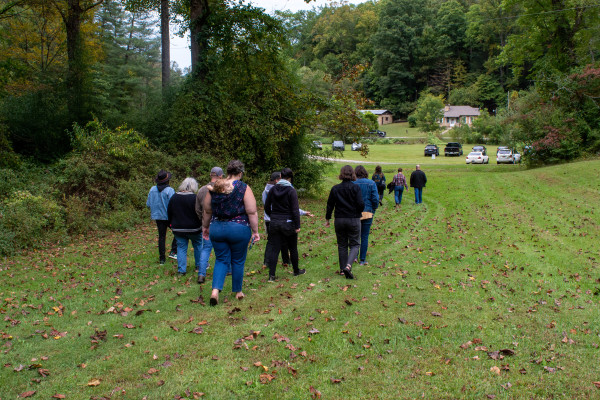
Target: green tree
pixel 429 113
pixel 551 34
pixel 127 76
pixel 245 102
pixel 163 8
pixel 75 13
pixel 397 50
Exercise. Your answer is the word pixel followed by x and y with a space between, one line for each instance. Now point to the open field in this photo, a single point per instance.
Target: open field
pixel 401 130
pixel 411 154
pixel 490 289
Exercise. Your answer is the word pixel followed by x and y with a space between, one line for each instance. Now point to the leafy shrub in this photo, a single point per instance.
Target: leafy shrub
pixel 412 121
pixel 30 219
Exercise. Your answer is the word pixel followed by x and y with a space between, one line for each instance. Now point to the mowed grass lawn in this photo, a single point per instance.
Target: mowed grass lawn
pixel 410 154
pixel 489 288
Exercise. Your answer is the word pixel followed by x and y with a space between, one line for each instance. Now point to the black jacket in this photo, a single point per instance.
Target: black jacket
pixel 346 199
pixel 182 213
pixel 282 204
pixel 418 179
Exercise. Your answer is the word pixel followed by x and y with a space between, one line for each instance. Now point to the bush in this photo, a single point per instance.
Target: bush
pixel 412 121
pixel 29 220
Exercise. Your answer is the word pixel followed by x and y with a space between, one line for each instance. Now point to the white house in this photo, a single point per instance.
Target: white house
pixel 458 115
pixel 383 116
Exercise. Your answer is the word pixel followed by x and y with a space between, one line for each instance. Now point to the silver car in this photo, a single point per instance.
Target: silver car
pixel 508 156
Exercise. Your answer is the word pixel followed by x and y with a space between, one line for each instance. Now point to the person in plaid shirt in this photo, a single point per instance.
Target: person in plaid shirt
pixel 399 185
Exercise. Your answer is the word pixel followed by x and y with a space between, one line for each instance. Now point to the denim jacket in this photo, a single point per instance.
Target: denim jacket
pixel 369 194
pixel 158 202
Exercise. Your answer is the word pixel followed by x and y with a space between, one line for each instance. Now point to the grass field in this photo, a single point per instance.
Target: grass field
pixel 411 154
pixel 401 130
pixel 490 289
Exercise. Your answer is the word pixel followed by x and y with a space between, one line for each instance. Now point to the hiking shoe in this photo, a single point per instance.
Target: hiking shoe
pixel 201 279
pixel 173 256
pixel 271 278
pixel 300 272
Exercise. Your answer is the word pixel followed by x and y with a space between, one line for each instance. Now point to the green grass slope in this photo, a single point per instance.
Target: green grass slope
pixel 489 288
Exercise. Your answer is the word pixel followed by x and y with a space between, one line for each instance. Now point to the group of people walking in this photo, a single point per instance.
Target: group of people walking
pixel 223 215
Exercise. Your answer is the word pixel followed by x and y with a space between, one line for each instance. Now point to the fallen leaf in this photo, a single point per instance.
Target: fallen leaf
pixel 94 382
pixel 335 380
pixel 129 326
pixel 315 393
pixel 266 378
pixel 410 304
pixel 59 396
pixel 597 384
pixel 495 370
pixel 28 393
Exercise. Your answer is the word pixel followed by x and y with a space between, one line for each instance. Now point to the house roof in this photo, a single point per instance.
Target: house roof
pixel 460 111
pixel 376 112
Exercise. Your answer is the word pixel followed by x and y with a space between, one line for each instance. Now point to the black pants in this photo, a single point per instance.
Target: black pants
pixel 162 226
pixel 285 252
pixel 347 231
pixel 281 232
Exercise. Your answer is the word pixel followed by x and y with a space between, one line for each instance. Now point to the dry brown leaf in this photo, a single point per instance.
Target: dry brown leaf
pixel 315 393
pixel 495 370
pixel 94 382
pixel 266 378
pixel 59 396
pixel 597 384
pixel 28 393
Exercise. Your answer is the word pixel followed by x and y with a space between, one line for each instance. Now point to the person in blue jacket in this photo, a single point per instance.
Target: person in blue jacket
pixel 158 200
pixel 370 196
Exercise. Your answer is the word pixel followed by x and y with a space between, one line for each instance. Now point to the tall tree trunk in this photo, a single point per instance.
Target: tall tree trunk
pixel 165 43
pixel 72 18
pixel 198 13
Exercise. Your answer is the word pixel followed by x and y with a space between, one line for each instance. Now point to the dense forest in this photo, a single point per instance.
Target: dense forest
pixel 91 105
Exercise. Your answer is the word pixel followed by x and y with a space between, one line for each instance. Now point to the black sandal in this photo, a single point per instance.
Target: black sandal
pixel 348 272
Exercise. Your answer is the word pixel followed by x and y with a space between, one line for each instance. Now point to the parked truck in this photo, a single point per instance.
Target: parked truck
pixel 453 149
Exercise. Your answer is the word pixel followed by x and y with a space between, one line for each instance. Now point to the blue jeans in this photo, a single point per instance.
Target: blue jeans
pixel 204 256
pixel 418 195
pixel 365 229
pixel 230 241
pixel 398 193
pixel 182 246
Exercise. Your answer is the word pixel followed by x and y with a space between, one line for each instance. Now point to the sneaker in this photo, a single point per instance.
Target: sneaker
pixel 300 272
pixel 271 278
pixel 201 279
pixel 363 263
pixel 173 256
pixel 162 262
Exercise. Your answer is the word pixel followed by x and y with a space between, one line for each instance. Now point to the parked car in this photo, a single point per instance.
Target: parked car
pixel 356 146
pixel 477 157
pixel 317 144
pixel 481 149
pixel 453 149
pixel 431 149
pixel 338 145
pixel 501 148
pixel 378 133
pixel 508 156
